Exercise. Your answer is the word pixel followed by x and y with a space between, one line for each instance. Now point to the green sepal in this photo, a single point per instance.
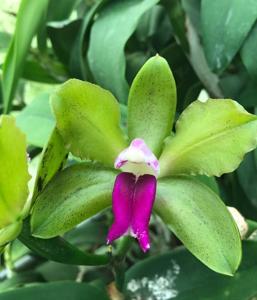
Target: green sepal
pixel 152 103
pixel 73 195
pixel 88 119
pixel 211 139
pixel 201 221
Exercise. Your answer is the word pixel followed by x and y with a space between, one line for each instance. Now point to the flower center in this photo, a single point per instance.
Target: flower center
pixel 138 159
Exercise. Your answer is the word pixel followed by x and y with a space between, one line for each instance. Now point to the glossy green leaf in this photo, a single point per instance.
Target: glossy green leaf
pixel 178 275
pixel 248 53
pixel 110 32
pixel 10 232
pixel 211 139
pixel 225 25
pixel 65 290
pixel 14 175
pixel 201 221
pixel 26 26
pixel 36 121
pixel 152 103
pixel 88 119
pixel 53 158
pixel 75 194
pixel 59 250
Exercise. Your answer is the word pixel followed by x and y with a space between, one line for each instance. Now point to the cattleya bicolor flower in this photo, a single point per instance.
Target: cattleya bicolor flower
pixel 134 193
pixel 148 165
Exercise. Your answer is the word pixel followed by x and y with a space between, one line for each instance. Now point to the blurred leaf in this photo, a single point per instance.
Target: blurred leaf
pixel 152 103
pixel 247 175
pixel 78 65
pixel 10 232
pixel 74 195
pixel 63 35
pixel 36 121
pixel 248 53
pixel 88 120
pixel 19 280
pixel 188 38
pixel 110 32
pixel 14 175
pixel 211 139
pixel 64 290
pixel 44 70
pixel 26 26
pixel 225 25
pixel 201 221
pixel 59 250
pixel 53 158
pixel 167 276
pixel 59 11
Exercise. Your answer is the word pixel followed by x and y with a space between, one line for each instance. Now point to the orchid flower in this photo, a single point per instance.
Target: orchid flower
pixel 148 165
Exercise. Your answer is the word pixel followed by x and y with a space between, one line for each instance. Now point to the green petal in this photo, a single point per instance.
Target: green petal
pixel 211 139
pixel 88 119
pixel 14 174
pixel 75 194
pixel 201 221
pixel 152 103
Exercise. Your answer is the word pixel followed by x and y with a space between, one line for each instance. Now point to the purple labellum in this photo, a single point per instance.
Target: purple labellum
pixel 134 193
pixel 132 203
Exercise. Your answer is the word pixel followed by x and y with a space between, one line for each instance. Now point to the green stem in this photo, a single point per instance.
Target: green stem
pixel 252 226
pixel 8 261
pixel 119 259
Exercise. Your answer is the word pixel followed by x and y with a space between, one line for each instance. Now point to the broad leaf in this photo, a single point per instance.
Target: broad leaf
pixel 37 121
pixel 248 53
pixel 225 25
pixel 110 32
pixel 10 232
pixel 75 194
pixel 53 158
pixel 201 221
pixel 211 139
pixel 65 290
pixel 178 275
pixel 26 26
pixel 14 175
pixel 152 103
pixel 59 250
pixel 88 119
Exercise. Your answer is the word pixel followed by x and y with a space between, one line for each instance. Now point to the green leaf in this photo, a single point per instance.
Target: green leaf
pixel 10 232
pixel 53 158
pixel 59 250
pixel 167 276
pixel 14 175
pixel 152 103
pixel 88 119
pixel 109 69
pixel 248 53
pixel 201 221
pixel 65 290
pixel 211 139
pixel 26 26
pixel 74 195
pixel 225 25
pixel 61 34
pixel 37 121
pixel 78 65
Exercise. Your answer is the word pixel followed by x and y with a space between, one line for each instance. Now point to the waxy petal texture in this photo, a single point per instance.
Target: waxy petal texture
pixel 133 200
